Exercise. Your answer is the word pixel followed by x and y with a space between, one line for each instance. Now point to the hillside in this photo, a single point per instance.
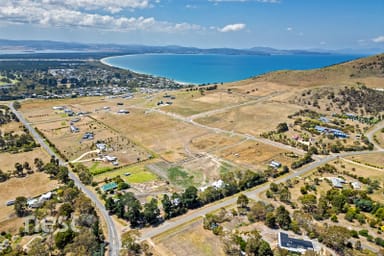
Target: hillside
pixel 364 68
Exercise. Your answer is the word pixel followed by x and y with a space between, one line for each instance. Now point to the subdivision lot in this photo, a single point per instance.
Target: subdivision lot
pixel 252 119
pixel 159 133
pixel 8 160
pixel 374 160
pixel 380 138
pixel 252 88
pixel 73 145
pixel 29 186
pixel 255 154
pixel 210 142
pixel 14 127
pixel 188 103
pixel 191 239
pixel 42 110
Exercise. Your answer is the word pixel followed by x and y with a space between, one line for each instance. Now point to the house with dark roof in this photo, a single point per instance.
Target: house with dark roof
pixel 293 244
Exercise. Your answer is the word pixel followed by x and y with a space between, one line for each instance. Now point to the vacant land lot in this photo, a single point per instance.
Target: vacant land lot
pixel 253 119
pixel 7 160
pixel 252 88
pixel 255 154
pixel 210 142
pixel 188 103
pixel 380 138
pixel 374 160
pixel 159 133
pixel 190 240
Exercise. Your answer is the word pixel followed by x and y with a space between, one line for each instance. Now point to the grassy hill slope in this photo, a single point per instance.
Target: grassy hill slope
pixel 364 68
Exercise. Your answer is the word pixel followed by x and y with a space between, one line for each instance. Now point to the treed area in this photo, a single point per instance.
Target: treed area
pixel 10 141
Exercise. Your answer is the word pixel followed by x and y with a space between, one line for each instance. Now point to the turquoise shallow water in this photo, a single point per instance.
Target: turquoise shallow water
pixel 204 68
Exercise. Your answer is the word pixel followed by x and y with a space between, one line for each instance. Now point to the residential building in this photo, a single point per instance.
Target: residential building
pixel 293 244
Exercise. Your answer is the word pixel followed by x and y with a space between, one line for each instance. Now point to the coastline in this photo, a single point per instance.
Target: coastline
pixel 253 68
pixel 104 62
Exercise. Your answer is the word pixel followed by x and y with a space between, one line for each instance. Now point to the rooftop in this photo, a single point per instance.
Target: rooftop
pixel 337 182
pixel 293 244
pixel 109 186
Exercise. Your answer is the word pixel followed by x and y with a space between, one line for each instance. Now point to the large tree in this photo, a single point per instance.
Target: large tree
pixel 190 198
pixel 309 202
pixel 21 206
pixel 151 212
pixel 336 237
pixel 282 217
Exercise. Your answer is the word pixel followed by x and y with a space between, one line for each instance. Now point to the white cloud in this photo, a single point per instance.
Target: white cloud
pixel 232 27
pixel 260 1
pixel 47 13
pixel 99 4
pixel 379 39
pixel 289 28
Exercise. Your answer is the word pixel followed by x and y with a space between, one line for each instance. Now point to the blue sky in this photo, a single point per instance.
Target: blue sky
pixel 285 24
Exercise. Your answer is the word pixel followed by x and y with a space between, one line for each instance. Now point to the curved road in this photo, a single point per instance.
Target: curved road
pixel 113 235
pixel 253 194
pixel 371 133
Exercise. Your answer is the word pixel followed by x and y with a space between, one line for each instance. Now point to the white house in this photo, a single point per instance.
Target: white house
pixel 110 158
pixel 101 146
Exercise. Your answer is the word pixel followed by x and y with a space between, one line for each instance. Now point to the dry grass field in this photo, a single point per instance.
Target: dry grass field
pixel 29 186
pixel 14 127
pixel 380 138
pixel 159 133
pixel 7 160
pixel 253 119
pixel 188 240
pixel 376 160
pixel 254 154
pixel 210 142
pixel 193 102
pixel 346 73
pixel 251 87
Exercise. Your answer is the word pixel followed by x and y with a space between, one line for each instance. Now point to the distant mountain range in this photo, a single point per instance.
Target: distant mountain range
pixel 36 46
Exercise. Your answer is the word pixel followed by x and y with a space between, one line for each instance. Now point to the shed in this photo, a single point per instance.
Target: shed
pixel 356 185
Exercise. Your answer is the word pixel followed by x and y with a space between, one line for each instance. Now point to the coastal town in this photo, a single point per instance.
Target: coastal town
pixel 68 79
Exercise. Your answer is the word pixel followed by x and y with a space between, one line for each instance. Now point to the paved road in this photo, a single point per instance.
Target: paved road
pixel 253 194
pixel 113 235
pixel 372 132
pixel 226 132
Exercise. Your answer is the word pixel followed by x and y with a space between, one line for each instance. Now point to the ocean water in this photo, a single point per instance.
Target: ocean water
pixel 210 68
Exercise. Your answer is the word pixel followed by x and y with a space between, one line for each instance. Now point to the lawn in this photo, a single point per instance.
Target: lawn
pixel 184 178
pixel 95 169
pixel 138 174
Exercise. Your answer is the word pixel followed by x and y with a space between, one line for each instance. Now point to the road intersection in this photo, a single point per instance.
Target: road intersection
pixel 113 234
